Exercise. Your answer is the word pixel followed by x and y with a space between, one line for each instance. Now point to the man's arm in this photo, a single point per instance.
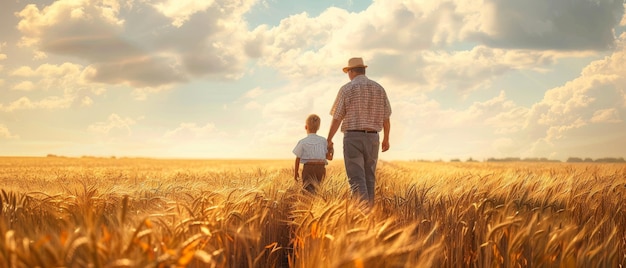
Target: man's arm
pixel 334 126
pixel 386 129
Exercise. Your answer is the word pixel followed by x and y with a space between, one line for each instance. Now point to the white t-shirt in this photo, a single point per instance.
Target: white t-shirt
pixel 311 148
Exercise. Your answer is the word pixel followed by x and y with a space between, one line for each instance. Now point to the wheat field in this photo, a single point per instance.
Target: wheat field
pixel 107 212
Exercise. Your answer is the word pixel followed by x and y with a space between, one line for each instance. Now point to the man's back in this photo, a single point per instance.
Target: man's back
pixel 362 104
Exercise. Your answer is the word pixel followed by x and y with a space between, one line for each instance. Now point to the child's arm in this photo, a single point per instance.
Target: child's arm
pixel 297 167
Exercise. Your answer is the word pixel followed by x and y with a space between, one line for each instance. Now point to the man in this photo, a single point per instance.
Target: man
pixel 363 110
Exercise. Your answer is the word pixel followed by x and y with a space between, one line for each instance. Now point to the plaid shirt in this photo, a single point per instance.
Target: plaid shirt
pixel 362 104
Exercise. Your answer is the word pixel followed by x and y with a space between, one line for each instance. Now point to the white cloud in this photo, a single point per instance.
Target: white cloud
pixel 190 131
pixel 68 77
pixel 65 82
pixel 254 93
pixel 2 57
pixel 290 104
pixel 253 105
pixel 86 101
pixel 556 132
pixel 623 21
pixel 299 55
pixel 113 122
pixel 538 24
pixel 498 115
pixel 180 10
pixel 467 71
pixel 610 115
pixel 6 134
pixel 283 112
pixel 79 16
pixel 582 108
pixel 113 39
pixel 39 55
pixel 421 127
pixel 2 45
pixel 24 86
pixel 426 37
pixel 141 93
pixel 505 146
pixel 580 97
pixel 425 53
pixel 23 71
pixel 502 114
pixel 24 103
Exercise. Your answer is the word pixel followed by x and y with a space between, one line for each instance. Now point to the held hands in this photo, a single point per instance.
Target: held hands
pixel 330 151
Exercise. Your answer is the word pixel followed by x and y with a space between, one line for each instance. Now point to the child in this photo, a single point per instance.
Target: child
pixel 312 151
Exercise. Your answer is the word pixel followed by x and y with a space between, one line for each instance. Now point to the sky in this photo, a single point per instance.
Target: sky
pixel 237 78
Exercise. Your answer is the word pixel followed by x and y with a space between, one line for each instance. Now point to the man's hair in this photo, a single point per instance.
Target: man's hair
pixel 358 70
pixel 313 123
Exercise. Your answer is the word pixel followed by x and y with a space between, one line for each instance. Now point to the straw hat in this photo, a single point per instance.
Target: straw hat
pixel 354 63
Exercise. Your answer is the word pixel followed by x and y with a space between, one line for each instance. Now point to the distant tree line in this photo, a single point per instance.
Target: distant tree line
pixel 84 156
pixel 491 159
pixel 569 160
pixel 540 159
pixel 517 159
pixel 599 160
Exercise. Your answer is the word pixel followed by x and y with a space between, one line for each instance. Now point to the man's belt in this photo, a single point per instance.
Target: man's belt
pixel 362 131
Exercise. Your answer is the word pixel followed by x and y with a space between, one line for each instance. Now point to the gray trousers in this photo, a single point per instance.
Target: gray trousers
pixel 360 153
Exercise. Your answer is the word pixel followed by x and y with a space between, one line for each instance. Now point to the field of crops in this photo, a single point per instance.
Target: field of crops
pixel 98 212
